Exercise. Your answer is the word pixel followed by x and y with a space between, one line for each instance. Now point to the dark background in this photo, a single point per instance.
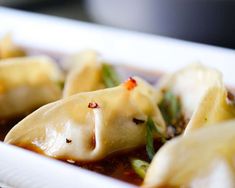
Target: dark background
pixel 205 21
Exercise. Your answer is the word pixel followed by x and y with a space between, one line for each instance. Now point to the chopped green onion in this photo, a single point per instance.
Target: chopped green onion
pixel 149 139
pixel 151 128
pixel 110 77
pixel 170 108
pixel 140 167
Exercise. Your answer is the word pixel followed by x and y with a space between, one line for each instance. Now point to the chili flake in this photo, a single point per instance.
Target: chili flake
pixel 93 105
pixel 130 83
pixel 68 140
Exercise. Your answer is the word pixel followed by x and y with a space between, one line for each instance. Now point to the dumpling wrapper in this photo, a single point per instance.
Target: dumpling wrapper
pixel 27 83
pixel 68 129
pixel 8 49
pixel 85 73
pixel 203 95
pixel 203 158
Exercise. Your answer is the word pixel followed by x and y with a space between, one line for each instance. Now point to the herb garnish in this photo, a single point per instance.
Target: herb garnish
pixel 139 166
pixel 170 108
pixel 151 129
pixel 93 105
pixel 110 76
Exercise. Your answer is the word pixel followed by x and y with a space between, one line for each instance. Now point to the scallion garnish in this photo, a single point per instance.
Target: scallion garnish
pixel 110 76
pixel 170 108
pixel 139 166
pixel 151 129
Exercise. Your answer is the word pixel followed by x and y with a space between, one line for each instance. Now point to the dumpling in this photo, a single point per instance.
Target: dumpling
pixel 27 83
pixel 203 158
pixel 90 126
pixel 86 72
pixel 202 94
pixel 8 49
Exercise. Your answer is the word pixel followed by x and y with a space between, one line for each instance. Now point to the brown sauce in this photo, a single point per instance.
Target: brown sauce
pixel 118 166
pixel 6 125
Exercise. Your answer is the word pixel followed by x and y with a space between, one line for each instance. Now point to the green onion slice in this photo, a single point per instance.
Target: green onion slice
pixel 110 76
pixel 170 108
pixel 140 167
pixel 151 129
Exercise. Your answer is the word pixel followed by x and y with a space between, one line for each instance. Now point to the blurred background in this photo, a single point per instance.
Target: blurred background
pixel 205 21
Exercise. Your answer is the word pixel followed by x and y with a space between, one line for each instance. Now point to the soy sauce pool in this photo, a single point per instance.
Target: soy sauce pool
pixel 119 166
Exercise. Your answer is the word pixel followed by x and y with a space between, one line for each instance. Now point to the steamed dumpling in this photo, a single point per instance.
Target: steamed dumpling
pixel 8 49
pixel 202 94
pixel 89 126
pixel 203 158
pixel 85 73
pixel 27 83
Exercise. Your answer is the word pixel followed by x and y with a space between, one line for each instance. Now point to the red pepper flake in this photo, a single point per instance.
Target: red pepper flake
pixel 93 105
pixel 68 140
pixel 130 83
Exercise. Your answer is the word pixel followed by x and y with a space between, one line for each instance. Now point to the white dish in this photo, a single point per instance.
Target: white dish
pixel 21 168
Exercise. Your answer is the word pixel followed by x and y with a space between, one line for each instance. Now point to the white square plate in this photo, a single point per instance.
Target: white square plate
pixel 23 169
